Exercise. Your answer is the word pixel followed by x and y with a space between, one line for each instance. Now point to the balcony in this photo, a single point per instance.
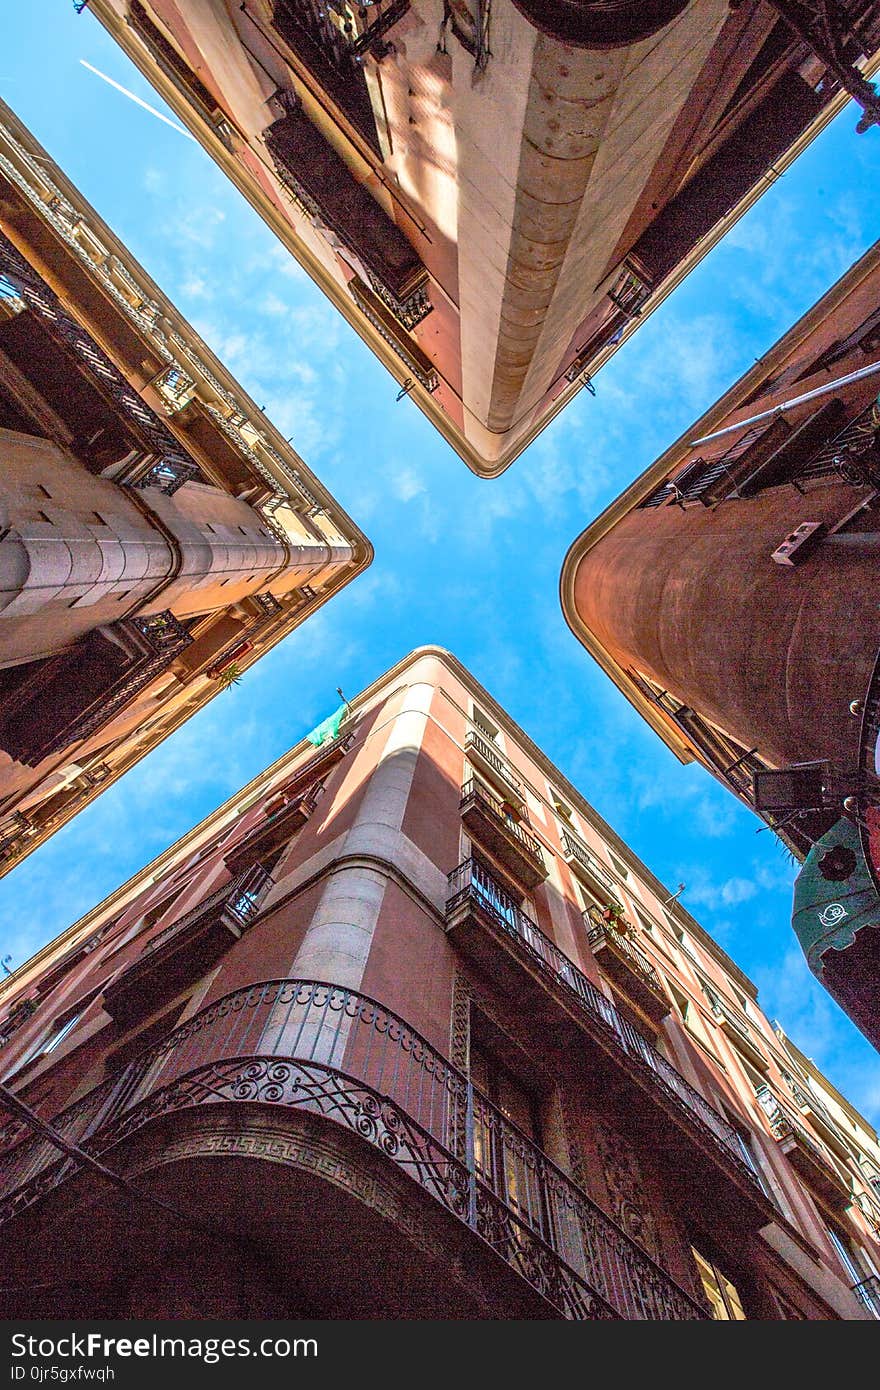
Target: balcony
pixel 631 288
pixel 329 46
pixel 15 830
pixel 285 814
pixel 589 870
pixel 387 324
pixel 187 948
pixel 489 821
pixel 803 1153
pixel 345 1060
pixel 325 187
pixel 853 453
pixel 76 377
pixel 489 927
pixel 868 1294
pixel 487 759
pixel 319 765
pixel 622 962
pixel 737 1030
pixel 52 704
pixel 820 1120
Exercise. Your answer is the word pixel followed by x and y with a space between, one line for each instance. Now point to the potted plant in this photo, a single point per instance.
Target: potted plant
pixel 228 675
pixel 612 913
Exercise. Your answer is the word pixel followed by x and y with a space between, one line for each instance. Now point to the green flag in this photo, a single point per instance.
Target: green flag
pixel 328 729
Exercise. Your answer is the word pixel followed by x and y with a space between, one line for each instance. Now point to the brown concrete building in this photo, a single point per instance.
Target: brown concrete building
pixel 157 533
pixel 404 1029
pixel 495 192
pixel 732 595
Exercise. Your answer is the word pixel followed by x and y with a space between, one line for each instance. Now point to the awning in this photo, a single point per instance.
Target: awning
pixel 834 895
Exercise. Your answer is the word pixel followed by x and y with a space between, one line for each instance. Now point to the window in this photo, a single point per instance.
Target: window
pixel 560 807
pixel 584 896
pixel 787 1310
pixel 756 1078
pixel 653 933
pixel 498 1156
pixel 484 724
pixel 682 939
pixel 846 1253
pixel 721 1292
pixel 60 1029
pixel 690 1016
pixel 748 1151
pixel 618 866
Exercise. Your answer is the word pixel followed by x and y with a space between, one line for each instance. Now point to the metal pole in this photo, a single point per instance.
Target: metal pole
pixel 813 395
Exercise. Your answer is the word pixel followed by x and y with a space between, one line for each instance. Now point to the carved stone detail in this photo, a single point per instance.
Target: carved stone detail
pixel 625 1182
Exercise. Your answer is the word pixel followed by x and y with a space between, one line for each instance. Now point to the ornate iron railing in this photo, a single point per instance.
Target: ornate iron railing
pixel 785 1125
pixel 147 316
pixel 303 776
pixel 480 744
pixel 853 453
pixel 470 880
pixel 147 427
pixel 160 638
pixel 598 931
pixel 15 828
pixel 411 355
pixel 573 848
pixel 409 310
pixel 806 1100
pixel 474 791
pixel 332 1052
pixel 237 902
pixel 631 289
pixel 269 605
pixel 868 1293
pixel 19 1013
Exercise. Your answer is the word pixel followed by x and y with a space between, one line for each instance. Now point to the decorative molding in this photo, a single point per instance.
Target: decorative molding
pixel 625 1183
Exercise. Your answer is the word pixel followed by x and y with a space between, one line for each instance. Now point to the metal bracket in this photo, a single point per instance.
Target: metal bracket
pixel 826 28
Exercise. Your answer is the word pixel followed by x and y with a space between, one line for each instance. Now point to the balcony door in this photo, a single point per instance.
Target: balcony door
pixel 507 1165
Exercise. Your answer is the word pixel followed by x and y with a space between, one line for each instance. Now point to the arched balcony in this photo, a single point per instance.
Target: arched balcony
pixel 332 1055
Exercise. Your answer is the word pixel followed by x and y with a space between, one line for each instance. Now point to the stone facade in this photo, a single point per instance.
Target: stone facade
pixel 377 1045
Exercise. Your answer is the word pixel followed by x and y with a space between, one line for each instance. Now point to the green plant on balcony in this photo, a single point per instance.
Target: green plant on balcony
pixel 227 676
pixel 613 914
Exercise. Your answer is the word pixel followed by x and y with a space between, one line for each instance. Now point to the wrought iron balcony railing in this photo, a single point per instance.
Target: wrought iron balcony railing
pixel 600 931
pixel 473 788
pixel 385 321
pixel 14 830
pixel 819 1116
pixel 152 643
pixel 493 760
pixel 145 425
pixel 804 1153
pixel 235 905
pixel 332 40
pixel 631 289
pixel 189 946
pixel 471 881
pixel 302 1045
pixel 868 1293
pixel 853 453
pixel 575 850
pixel 507 838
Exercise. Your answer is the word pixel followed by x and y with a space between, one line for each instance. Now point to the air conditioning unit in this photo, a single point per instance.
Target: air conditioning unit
pixel 799 544
pixel 800 787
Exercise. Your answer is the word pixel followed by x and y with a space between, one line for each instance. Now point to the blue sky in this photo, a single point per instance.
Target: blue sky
pixel 471 565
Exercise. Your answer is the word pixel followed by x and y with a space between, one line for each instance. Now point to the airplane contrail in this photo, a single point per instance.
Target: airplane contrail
pixel 131 96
